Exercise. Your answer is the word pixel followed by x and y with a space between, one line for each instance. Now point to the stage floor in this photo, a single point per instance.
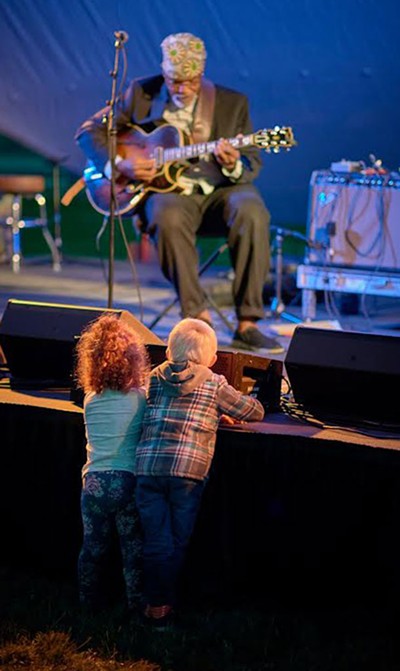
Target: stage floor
pixel 84 282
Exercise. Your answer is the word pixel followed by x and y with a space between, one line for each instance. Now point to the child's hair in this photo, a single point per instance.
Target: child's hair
pixel 192 340
pixel 110 355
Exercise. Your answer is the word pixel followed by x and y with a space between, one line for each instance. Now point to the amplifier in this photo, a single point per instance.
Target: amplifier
pixel 353 220
pixel 251 374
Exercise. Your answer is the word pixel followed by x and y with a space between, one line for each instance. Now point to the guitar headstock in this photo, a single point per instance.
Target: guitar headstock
pixel 274 139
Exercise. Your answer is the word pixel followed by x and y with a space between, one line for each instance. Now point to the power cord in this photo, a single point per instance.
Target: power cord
pixel 330 421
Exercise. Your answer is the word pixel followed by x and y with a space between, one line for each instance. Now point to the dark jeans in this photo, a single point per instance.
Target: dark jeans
pixel 237 212
pixel 168 509
pixel 108 503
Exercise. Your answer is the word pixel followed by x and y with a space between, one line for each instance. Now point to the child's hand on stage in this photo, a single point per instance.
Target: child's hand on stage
pixel 227 420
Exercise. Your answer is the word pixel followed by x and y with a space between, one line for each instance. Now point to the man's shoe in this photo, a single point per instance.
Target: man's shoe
pixel 252 339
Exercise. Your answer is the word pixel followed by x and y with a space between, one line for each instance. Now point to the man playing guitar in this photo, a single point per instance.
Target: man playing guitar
pixel 209 185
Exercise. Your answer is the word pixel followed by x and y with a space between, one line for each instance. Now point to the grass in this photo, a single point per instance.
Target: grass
pixel 43 629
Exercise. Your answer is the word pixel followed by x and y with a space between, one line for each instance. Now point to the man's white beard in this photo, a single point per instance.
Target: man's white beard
pixel 177 100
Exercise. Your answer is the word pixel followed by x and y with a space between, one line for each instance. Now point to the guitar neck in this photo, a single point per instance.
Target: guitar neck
pixel 193 150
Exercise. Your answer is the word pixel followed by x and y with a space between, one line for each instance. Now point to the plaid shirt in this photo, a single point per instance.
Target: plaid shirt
pixel 179 431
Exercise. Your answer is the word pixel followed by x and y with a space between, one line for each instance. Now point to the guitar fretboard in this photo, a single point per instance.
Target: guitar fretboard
pixel 193 150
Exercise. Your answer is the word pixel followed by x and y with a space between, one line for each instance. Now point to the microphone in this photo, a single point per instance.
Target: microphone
pixel 121 35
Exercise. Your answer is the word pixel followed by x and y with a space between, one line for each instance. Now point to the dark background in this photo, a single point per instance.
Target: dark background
pixel 328 69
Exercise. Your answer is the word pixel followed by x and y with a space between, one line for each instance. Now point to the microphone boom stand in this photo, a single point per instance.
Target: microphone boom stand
pixel 112 152
pixel 277 305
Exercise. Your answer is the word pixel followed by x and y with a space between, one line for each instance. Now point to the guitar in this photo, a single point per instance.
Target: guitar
pixel 166 144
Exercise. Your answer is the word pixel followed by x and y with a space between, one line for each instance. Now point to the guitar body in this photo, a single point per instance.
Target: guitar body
pixel 167 145
pixel 130 194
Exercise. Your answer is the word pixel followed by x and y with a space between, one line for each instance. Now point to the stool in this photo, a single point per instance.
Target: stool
pixel 22 187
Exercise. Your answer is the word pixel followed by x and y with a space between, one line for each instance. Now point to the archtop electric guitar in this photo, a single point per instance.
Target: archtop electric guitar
pixel 165 144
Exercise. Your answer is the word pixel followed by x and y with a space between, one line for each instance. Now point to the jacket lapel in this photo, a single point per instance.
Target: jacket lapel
pixel 151 110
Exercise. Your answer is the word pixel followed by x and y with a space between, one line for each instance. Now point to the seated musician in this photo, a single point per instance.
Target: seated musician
pixel 216 190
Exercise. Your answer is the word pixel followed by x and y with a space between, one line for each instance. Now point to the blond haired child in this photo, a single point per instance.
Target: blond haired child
pixel 184 405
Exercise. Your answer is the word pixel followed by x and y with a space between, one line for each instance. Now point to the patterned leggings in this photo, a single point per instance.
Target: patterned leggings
pixel 108 503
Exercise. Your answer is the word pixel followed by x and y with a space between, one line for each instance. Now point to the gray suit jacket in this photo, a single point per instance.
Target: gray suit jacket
pixel 144 103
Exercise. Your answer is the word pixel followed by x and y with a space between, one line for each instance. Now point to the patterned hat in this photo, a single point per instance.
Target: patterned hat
pixel 184 56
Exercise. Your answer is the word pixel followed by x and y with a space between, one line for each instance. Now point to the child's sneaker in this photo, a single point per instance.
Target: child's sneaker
pixel 160 618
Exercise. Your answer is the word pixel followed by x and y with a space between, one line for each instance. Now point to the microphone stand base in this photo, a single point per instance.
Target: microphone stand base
pixel 278 311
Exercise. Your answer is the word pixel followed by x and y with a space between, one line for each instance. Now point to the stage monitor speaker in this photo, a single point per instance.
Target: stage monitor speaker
pixel 345 373
pixel 251 374
pixel 38 340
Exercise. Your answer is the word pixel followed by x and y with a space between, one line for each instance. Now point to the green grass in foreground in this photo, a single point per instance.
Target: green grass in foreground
pixel 43 629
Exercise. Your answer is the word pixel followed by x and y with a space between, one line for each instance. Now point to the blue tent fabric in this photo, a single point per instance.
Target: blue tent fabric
pixel 330 69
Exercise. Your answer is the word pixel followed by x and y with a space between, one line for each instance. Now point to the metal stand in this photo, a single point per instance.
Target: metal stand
pixel 121 38
pixel 277 305
pixel 207 294
pixel 56 206
pixel 20 188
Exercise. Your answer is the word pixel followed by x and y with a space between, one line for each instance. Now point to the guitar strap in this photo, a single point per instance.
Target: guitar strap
pixel 204 112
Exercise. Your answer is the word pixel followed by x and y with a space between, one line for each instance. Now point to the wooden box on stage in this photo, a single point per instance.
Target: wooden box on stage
pixel 249 373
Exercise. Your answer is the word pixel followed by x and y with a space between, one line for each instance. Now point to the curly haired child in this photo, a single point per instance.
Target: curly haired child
pixel 112 367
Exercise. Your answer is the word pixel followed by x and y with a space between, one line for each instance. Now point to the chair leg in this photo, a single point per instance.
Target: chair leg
pixel 219 312
pixel 163 313
pixel 16 223
pixel 55 253
pixel 210 300
pixel 16 234
pixel 207 294
pixel 220 250
pixel 54 250
pixel 212 258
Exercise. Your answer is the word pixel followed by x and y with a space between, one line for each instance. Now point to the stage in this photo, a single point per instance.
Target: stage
pixel 291 507
pixel 144 292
